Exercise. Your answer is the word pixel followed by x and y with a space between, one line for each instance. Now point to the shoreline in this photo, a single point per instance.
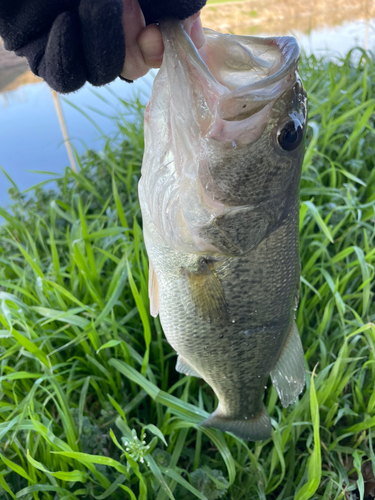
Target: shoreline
pixel 11 67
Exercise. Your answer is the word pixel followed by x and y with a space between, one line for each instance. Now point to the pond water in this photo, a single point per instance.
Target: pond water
pixel 30 134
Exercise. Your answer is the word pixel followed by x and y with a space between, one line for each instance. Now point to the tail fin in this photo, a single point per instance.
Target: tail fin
pixel 249 428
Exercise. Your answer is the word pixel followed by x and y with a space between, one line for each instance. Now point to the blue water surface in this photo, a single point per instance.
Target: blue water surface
pixel 30 134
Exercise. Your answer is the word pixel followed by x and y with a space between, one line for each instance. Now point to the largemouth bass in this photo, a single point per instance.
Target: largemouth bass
pixel 219 192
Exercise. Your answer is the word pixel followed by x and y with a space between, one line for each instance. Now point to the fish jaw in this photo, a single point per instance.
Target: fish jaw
pixel 177 117
pixel 194 90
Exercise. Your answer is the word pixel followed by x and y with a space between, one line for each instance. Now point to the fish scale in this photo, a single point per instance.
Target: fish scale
pixel 221 222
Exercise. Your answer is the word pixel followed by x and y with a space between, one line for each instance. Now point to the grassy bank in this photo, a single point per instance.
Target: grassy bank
pixel 90 403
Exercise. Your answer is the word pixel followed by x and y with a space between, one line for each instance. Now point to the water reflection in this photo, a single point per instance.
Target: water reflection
pixel 282 17
pixel 30 135
pixel 332 27
pixel 7 94
pixel 338 40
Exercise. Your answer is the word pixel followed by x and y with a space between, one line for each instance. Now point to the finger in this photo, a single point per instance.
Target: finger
pixel 133 23
pixel 188 22
pixel 197 34
pixel 63 64
pixel 151 44
pixel 193 27
pixel 102 39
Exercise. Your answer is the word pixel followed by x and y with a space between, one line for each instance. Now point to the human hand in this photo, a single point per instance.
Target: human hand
pixel 71 42
pixel 144 44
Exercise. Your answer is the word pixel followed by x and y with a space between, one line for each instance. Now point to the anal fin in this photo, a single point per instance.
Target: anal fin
pixel 153 291
pixel 182 366
pixel 288 375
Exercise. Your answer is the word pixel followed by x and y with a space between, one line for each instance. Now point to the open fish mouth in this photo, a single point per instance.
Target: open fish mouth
pixel 244 73
pixel 255 70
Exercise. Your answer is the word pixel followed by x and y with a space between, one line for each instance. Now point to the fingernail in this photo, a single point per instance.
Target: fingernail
pixel 127 6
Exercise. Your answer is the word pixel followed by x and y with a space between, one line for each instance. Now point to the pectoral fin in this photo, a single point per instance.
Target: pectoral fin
pixel 288 376
pixel 153 291
pixel 182 366
pixel 207 293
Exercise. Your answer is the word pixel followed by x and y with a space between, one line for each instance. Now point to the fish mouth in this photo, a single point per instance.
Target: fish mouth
pixel 256 70
pixel 240 75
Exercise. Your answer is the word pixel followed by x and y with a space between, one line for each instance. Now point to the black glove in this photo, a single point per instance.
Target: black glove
pixel 155 11
pixel 69 42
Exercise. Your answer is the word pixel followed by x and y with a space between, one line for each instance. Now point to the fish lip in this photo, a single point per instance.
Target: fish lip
pixel 195 90
pixel 291 52
pixel 174 36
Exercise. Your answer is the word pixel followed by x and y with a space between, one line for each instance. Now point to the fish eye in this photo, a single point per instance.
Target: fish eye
pixel 290 136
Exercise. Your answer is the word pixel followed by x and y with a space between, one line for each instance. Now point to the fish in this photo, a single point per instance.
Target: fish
pixel 219 194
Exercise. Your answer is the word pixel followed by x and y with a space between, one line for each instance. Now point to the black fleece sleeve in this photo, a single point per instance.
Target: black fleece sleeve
pixel 155 10
pixel 69 42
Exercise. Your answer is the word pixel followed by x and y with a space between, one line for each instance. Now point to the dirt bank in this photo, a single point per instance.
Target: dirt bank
pixel 11 67
pixel 266 16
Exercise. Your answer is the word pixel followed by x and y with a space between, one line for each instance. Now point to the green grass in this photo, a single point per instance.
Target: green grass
pixel 90 403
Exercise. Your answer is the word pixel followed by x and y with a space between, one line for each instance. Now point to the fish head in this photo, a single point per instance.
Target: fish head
pixel 231 125
pixel 256 140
